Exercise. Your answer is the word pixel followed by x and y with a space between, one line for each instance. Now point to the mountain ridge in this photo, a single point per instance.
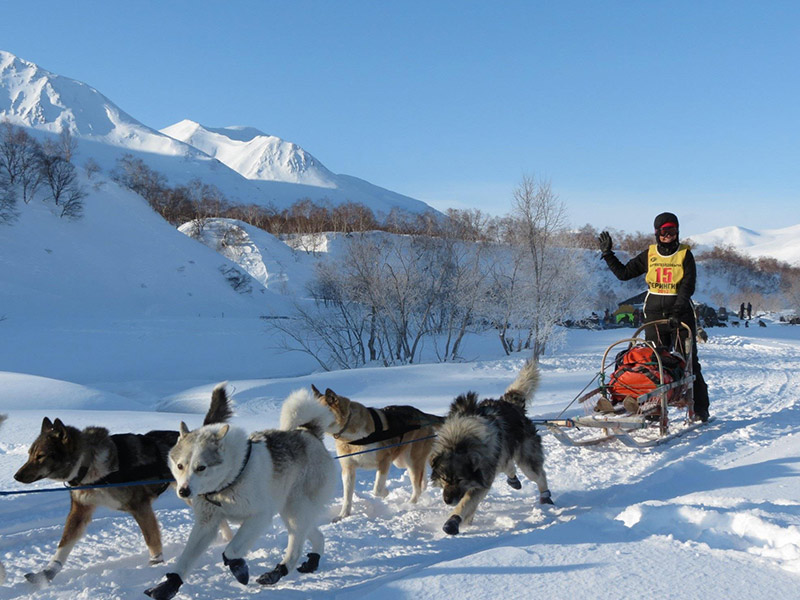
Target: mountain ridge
pixel 42 101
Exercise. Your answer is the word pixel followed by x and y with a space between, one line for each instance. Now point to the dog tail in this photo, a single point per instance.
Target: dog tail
pixel 302 410
pixel 524 385
pixel 220 410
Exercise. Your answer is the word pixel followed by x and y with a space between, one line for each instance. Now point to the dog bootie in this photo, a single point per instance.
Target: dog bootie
pixel 46 575
pixel 166 589
pixel 238 567
pixel 451 525
pixel 311 565
pixel 514 482
pixel 544 498
pixel 271 577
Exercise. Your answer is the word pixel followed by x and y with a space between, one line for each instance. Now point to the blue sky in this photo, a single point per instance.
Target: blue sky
pixel 627 108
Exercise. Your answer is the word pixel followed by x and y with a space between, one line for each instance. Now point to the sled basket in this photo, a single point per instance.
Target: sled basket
pixel 644 395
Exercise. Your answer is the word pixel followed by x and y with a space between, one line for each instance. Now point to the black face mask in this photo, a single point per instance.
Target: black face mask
pixel 667 248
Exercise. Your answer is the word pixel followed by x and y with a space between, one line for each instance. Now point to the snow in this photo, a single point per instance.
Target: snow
pixel 263 170
pixel 783 243
pixel 121 321
pixel 711 515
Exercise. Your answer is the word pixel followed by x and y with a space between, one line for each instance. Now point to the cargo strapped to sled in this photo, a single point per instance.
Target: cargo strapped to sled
pixel 644 411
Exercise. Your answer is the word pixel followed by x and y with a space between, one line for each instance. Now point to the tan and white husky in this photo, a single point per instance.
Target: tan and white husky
pixel 393 429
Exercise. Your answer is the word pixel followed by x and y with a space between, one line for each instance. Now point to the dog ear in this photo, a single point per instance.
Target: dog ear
pixel 182 430
pixel 223 431
pixel 47 425
pixel 60 429
pixel 317 393
pixel 331 397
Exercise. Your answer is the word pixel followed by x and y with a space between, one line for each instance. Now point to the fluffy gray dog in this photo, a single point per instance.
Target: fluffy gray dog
pixel 481 439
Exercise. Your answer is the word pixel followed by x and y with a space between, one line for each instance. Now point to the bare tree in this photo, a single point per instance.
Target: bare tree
pixel 19 160
pixel 91 167
pixel 539 221
pixel 8 200
pixel 66 145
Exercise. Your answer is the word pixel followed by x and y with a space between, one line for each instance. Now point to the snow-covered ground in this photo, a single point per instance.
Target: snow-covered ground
pixel 712 515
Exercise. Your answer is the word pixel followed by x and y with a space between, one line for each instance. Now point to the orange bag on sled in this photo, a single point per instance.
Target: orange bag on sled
pixel 637 373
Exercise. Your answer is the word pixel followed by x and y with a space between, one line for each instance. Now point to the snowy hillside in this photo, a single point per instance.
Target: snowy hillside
pixel 782 244
pixel 246 165
pixel 123 280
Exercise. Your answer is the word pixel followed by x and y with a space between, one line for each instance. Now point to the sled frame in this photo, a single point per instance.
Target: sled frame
pixel 621 425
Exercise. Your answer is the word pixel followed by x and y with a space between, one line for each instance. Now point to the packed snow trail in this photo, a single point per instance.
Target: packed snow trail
pixel 627 522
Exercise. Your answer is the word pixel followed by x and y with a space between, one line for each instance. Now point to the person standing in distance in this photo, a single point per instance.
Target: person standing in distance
pixel 671 274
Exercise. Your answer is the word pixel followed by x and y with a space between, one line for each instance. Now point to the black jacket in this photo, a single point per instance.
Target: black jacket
pixel 658 306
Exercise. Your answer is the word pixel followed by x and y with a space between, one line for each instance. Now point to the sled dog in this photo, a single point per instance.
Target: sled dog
pixel 357 428
pixel 480 439
pixel 92 457
pixel 230 475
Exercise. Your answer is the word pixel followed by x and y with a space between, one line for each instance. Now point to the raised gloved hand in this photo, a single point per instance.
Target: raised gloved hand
pixel 604 242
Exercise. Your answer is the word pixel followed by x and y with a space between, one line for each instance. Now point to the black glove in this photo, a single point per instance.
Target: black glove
pixel 604 243
pixel 674 323
pixel 166 589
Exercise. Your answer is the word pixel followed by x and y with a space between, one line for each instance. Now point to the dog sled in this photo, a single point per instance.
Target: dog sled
pixel 643 395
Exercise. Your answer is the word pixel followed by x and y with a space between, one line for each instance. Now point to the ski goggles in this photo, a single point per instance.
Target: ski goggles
pixel 667 231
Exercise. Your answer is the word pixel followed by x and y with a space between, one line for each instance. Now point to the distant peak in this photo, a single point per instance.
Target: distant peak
pixel 240 133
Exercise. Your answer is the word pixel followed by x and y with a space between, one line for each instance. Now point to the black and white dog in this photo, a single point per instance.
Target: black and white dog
pixel 481 439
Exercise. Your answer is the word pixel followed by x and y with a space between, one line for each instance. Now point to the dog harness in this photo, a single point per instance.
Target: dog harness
pixel 396 427
pixel 127 475
pixel 207 495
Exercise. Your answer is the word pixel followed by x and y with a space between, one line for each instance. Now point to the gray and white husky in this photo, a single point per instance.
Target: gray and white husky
pixel 481 439
pixel 228 474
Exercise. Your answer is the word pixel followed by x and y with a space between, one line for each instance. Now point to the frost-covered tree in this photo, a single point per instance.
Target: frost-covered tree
pixel 552 275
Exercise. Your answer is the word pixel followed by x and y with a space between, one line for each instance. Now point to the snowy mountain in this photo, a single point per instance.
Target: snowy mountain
pixel 247 165
pixel 33 97
pixel 253 154
pixel 783 244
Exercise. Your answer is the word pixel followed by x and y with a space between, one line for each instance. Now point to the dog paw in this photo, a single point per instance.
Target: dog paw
pixel 544 498
pixel 340 516
pixel 451 525
pixel 272 577
pixel 238 567
pixel 311 564
pixel 37 578
pixel 514 482
pixel 166 589
pixel 156 560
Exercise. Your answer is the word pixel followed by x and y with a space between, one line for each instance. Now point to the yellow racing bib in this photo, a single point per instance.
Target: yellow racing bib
pixel 664 273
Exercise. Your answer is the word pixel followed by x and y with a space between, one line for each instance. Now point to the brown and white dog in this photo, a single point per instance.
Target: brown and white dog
pixel 393 429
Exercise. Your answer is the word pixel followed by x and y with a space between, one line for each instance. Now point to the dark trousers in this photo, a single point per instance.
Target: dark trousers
pixel 662 335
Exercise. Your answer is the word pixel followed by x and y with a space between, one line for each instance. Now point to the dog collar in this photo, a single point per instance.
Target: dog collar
pixel 336 436
pixel 79 477
pixel 207 495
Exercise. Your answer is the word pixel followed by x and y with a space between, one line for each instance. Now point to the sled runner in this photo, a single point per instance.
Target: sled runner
pixel 644 395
